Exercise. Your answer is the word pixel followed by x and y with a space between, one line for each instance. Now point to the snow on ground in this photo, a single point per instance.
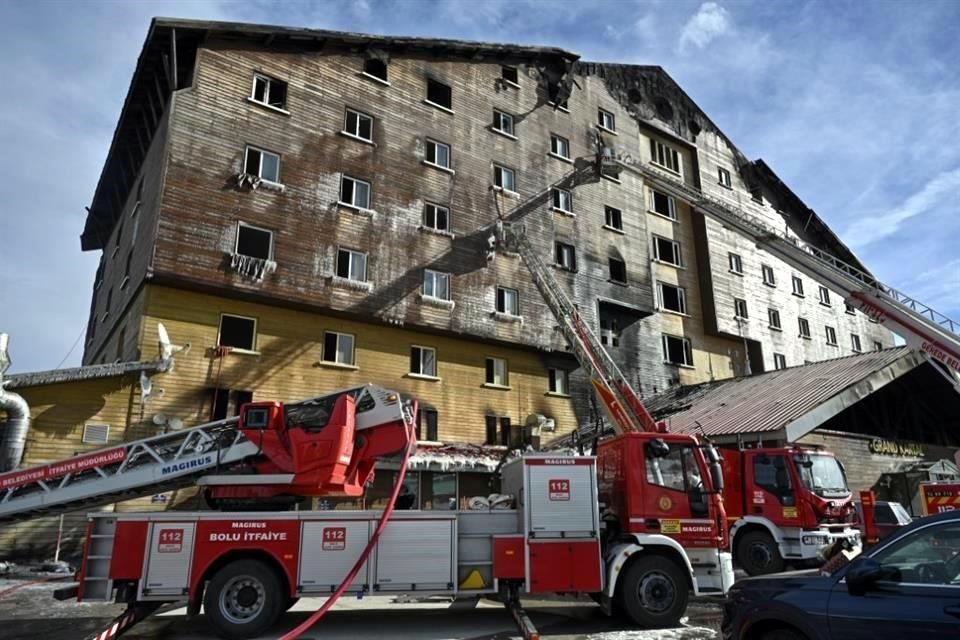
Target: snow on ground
pixel 683 633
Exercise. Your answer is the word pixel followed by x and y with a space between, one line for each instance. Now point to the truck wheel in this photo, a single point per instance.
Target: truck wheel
pixel 654 592
pixel 244 599
pixel 758 554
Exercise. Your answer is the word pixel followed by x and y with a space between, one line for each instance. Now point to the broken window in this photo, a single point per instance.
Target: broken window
pixel 338 348
pixel 359 125
pixel 423 361
pixel 664 155
pixel 376 68
pixel 740 308
pixel 354 192
pixel 254 242
pixel 877 345
pixel 849 308
pixel 779 361
pixel 609 331
pixel 428 416
pixel 831 336
pixel 666 250
pixel 672 298
pixel 436 284
pixel 723 178
pixel 269 91
pixel 436 217
pixel 677 350
pixel 351 265
pixel 769 277
pixel 504 178
pixel 263 164
pixel 804 326
pixel 438 153
pixel 238 332
pixel 662 204
pixel 559 146
pixel 756 194
pixel 613 218
pixel 559 381
pixel 503 122
pixel 497 373
pixel 773 315
pixel 606 120
pixel 222 402
pixel 565 256
pixel 510 74
pixel 855 343
pixel 508 301
pixel 824 296
pixel 562 200
pixel 797 286
pixel 736 263
pixel 439 94
pixel 491 430
pixel 618 270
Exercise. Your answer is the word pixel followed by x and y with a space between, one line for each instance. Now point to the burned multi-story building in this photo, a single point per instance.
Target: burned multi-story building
pixel 312 210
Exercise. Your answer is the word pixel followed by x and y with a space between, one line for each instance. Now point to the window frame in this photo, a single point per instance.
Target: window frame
pixel 343 179
pixel 351 253
pixel 559 143
pixel 502 170
pixel 564 249
pixel 765 271
pixel 681 297
pixel 335 361
pixel 723 178
pixel 663 155
pixel 270 80
pixel 422 349
pixel 686 345
pixel 433 103
pixel 856 345
pixel 557 196
pixel 386 73
pixel 607 210
pixel 803 326
pixel 436 209
pixel 253 336
pixel 499 117
pixel 735 263
pixel 779 361
pixel 603 117
pixel 505 378
pixel 824 296
pixel 500 301
pixel 435 145
pixel 740 304
pixel 504 75
pixel 797 284
pixel 831 335
pixel 557 375
pixel 652 204
pixel 436 277
pixel 360 115
pixel 773 319
pixel 617 259
pixel 246 160
pixel 245 225
pixel 677 250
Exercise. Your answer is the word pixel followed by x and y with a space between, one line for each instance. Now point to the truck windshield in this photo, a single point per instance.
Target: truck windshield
pixel 821 473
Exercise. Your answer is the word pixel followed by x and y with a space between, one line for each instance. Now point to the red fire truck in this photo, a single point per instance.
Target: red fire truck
pixel 939 497
pixel 785 504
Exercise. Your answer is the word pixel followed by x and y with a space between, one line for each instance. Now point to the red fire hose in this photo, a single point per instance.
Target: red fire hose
pixel 319 613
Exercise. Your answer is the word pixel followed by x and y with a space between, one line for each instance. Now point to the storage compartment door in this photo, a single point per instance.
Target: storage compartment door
pixel 417 555
pixel 565 566
pixel 329 550
pixel 562 500
pixel 168 559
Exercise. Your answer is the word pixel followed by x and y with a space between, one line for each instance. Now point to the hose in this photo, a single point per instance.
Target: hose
pixel 319 613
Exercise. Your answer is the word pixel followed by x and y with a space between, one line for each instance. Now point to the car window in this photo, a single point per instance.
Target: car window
pixel 883 514
pixel 928 556
pixel 666 471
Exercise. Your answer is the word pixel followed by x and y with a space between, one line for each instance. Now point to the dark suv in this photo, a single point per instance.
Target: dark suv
pixel 906 587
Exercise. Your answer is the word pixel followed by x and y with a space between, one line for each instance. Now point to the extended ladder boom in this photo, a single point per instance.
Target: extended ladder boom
pixel 921 327
pixel 620 402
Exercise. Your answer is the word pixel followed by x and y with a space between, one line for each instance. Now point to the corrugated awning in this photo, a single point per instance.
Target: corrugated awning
pixel 90 372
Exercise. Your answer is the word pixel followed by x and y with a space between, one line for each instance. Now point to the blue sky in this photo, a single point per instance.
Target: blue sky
pixel 853 104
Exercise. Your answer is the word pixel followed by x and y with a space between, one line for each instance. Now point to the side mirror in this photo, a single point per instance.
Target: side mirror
pixel 862 575
pixel 716 475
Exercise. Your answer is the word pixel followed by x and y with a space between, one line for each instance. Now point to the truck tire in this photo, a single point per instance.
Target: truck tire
pixel 244 599
pixel 654 591
pixel 758 553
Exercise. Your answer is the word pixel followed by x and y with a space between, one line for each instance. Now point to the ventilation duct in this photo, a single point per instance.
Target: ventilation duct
pixel 13 432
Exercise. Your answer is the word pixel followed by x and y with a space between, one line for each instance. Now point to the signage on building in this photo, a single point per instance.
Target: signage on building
pixel 895 448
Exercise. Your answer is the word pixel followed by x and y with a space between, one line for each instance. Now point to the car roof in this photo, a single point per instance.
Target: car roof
pixel 946 516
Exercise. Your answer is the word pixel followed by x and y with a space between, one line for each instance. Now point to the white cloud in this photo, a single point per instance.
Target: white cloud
pixel 709 23
pixel 936 191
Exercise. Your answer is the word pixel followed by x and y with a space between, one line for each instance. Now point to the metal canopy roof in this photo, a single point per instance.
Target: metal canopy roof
pixel 90 372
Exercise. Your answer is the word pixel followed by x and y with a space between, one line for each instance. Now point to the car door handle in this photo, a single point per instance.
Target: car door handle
pixel 953 611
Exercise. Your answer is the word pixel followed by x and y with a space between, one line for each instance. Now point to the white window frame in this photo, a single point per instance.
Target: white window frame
pixel 740 305
pixel 352 255
pixel 423 350
pixel 266 92
pixel 723 178
pixel 562 200
pixel 559 146
pixel 765 271
pixel 849 308
pixel 558 381
pixel 687 350
pixel 501 171
pixel 500 118
pixel 824 295
pixel 353 196
pixel 359 117
pixel 856 345
pixel 253 340
pixel 606 210
pixel 236 244
pixel 664 156
pixel 779 361
pixel 831 335
pixel 735 262
pixel 671 204
pixel 797 284
pixel 565 255
pixel 436 209
pixel 508 292
pixel 503 370
pixel 803 326
pixel 435 277
pixel 436 145
pixel 606 120
pixel 677 251
pixel 773 318
pixel 337 351
pixel 259 171
pixel 681 296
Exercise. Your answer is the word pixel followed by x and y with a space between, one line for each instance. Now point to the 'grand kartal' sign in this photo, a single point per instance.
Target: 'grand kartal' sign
pixel 893 448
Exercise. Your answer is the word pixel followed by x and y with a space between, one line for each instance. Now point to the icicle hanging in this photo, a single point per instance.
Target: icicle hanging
pixel 251 267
